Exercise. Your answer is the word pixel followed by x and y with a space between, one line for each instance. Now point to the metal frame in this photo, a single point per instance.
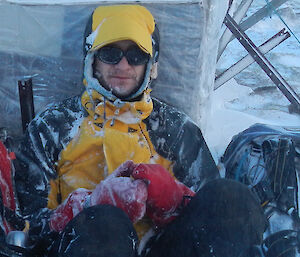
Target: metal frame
pixel 26 102
pixel 248 60
pixel 263 62
pixel 227 37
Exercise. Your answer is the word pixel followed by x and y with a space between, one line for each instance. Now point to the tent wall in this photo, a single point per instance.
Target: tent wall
pixel 45 42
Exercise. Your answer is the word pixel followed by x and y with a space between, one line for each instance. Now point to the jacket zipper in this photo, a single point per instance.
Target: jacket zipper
pixel 148 143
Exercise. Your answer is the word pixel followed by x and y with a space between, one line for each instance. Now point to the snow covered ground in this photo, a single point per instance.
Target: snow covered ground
pixel 251 97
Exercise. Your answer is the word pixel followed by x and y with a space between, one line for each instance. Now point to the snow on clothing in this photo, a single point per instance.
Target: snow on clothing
pixel 79 142
pixel 207 227
pixel 74 145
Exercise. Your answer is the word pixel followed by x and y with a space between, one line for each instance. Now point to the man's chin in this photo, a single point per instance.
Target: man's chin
pixel 122 96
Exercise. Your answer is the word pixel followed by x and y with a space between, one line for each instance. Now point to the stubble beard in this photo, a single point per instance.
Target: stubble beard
pixel 118 90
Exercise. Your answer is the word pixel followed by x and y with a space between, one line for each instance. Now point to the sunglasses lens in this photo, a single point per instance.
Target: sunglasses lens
pixel 113 55
pixel 135 56
pixel 110 55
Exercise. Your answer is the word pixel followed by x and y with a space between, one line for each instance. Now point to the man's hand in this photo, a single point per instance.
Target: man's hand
pixel 124 193
pixel 68 209
pixel 165 194
pixel 118 190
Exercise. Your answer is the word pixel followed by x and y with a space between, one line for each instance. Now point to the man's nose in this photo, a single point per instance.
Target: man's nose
pixel 123 64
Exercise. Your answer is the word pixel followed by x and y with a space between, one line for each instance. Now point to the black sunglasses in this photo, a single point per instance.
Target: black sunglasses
pixel 113 55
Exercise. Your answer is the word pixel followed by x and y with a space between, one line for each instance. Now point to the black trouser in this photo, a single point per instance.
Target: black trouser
pixel 223 219
pixel 98 231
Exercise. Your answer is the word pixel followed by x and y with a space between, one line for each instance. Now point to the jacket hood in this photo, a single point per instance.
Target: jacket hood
pixel 114 23
pixel 92 83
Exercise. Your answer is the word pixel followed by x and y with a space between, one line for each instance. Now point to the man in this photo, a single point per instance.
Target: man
pixel 116 145
pixel 122 79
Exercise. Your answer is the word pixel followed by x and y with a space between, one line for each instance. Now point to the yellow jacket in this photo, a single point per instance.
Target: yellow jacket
pixel 79 142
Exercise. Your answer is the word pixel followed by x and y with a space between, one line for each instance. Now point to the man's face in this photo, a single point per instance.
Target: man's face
pixel 122 78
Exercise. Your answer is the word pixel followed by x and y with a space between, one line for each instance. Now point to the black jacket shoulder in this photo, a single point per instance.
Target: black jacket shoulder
pixel 176 137
pixel 47 134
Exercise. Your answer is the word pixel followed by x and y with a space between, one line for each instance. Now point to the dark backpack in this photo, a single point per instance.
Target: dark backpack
pixel 267 159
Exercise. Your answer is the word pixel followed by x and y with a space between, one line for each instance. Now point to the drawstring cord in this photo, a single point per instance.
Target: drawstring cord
pixel 104 109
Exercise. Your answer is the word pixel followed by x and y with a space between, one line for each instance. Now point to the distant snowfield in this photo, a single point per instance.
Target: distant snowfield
pixel 252 97
pixel 226 118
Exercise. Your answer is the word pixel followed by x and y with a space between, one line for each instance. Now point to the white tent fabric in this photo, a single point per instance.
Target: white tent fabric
pixel 44 41
pixel 72 2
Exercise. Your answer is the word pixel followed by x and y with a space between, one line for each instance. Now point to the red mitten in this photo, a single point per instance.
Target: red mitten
pixel 165 194
pixel 124 193
pixel 68 209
